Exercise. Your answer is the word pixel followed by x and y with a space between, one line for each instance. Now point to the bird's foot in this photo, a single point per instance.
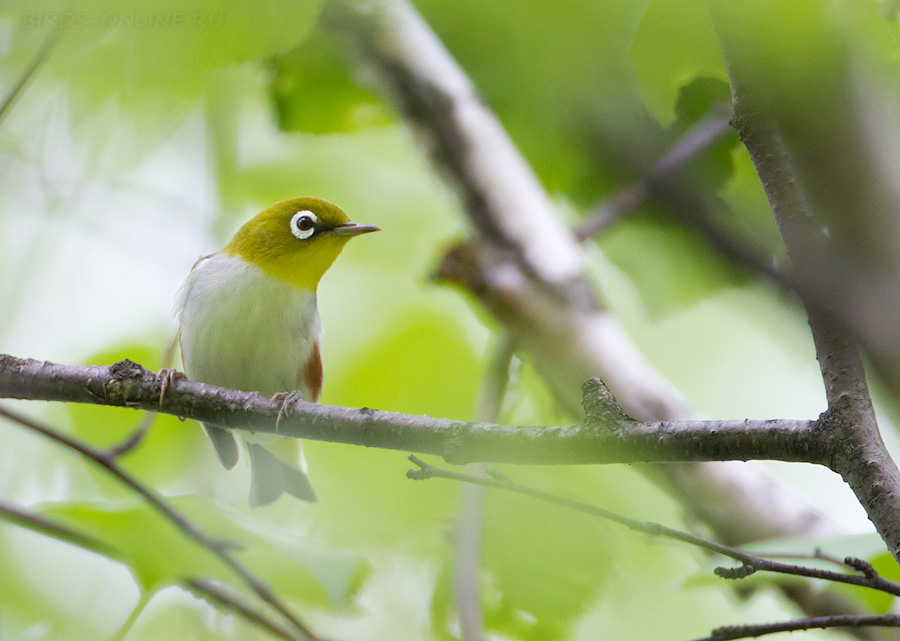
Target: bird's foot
pixel 285 400
pixel 165 377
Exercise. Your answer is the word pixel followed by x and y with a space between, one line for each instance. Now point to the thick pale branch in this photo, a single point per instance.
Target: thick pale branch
pixel 539 293
pixel 604 439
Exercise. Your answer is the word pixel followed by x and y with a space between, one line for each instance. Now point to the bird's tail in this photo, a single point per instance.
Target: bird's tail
pixel 224 443
pixel 271 476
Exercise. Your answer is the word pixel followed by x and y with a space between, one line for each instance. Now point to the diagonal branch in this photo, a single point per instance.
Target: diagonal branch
pixel 217 594
pixel 27 74
pixel 218 548
pixel 48 527
pixel 750 563
pixel 697 139
pixel 223 599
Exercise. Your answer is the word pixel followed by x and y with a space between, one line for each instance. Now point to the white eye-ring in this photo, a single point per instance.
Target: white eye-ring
pixel 303 224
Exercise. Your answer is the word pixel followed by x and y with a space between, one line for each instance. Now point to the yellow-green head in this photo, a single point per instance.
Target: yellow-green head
pixel 296 240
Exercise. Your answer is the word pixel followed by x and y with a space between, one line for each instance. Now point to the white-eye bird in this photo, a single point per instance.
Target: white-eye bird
pixel 247 320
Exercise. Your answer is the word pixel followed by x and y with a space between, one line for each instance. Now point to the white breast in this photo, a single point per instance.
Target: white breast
pixel 243 329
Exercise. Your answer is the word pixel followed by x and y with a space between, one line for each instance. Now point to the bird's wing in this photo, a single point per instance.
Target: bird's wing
pixel 311 375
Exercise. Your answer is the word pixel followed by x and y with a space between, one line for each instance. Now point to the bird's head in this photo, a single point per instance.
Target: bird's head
pixel 296 240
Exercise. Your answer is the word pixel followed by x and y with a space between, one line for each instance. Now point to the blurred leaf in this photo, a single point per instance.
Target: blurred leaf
pixel 167 450
pixel 671 267
pixel 752 218
pixel 314 92
pixel 886 566
pixel 423 365
pixel 663 63
pixel 24 606
pixel 556 73
pixel 863 546
pixel 545 561
pixel 158 555
pixel 699 100
pixel 159 51
pixel 542 566
pixel 187 621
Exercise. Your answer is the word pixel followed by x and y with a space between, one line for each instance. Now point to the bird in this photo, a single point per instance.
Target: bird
pixel 248 320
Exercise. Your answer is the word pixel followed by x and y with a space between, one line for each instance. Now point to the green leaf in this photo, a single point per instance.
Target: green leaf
pixel 421 365
pixel 557 74
pixel 547 562
pixel 674 44
pixel 314 92
pixel 752 217
pixel 156 52
pixel 671 267
pixel 542 566
pixel 160 555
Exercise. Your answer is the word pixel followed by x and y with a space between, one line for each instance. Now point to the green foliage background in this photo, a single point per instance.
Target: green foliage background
pixel 155 128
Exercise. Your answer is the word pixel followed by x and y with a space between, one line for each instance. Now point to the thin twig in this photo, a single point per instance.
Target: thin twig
pixel 730 632
pixel 143 427
pixel 750 562
pixel 693 142
pixel 27 74
pixel 134 439
pixel 221 597
pixel 218 548
pixel 43 525
pixel 468 541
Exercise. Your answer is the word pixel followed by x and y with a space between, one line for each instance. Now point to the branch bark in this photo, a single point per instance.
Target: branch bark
pixel 602 439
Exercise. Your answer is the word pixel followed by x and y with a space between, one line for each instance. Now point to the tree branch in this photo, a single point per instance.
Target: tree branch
pixel 603 439
pixel 225 600
pixel 27 74
pixel 855 449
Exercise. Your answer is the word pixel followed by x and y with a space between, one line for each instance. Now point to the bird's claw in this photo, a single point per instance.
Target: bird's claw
pixel 165 377
pixel 285 400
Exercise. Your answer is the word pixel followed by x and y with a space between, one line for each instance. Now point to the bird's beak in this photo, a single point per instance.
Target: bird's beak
pixel 353 229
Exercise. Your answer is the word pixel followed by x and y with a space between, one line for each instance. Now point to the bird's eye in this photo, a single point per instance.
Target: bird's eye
pixel 303 224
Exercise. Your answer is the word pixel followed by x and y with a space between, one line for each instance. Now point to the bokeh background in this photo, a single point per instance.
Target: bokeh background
pixel 142 141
